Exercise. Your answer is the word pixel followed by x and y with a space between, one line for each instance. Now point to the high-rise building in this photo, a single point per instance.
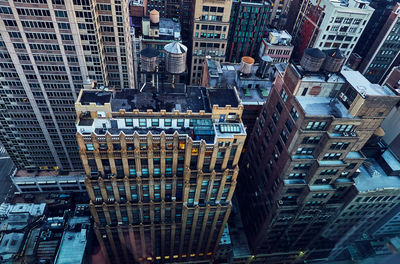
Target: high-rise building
pixel 49 49
pixel 384 52
pixel 160 170
pixel 210 34
pixel 247 27
pixel 304 150
pixel 277 45
pixel 329 24
pixel 279 12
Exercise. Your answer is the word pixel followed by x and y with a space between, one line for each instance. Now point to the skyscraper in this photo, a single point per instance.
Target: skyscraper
pixel 210 34
pixel 304 150
pixel 384 52
pixel 330 24
pixel 160 171
pixel 49 49
pixel 247 28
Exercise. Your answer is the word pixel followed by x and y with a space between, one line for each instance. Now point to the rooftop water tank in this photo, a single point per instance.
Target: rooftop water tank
pixel 334 60
pixel 246 65
pixel 175 57
pixel 312 59
pixel 154 16
pixel 148 59
pixel 264 66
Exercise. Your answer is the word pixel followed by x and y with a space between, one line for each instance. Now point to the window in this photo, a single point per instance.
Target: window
pixel 329 172
pixel 311 140
pixel 284 96
pixel 344 128
pixel 294 114
pixel 316 125
pixel 304 151
pixel 142 122
pixel 289 126
pixel 332 156
pixel 167 122
pixel 155 122
pixel 180 122
pixel 129 122
pixel 339 145
pixel 89 147
pixel 278 107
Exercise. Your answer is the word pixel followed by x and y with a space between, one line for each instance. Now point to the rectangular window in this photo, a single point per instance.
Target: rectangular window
pixel 284 96
pixel 89 147
pixel 155 122
pixel 129 122
pixel 167 122
pixel 344 128
pixel 294 114
pixel 142 122
pixel 311 140
pixel 180 122
pixel 316 125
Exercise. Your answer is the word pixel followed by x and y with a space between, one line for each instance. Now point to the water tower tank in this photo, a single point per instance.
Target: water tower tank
pixel 334 60
pixel 312 59
pixel 148 59
pixel 246 65
pixel 264 66
pixel 175 57
pixel 154 16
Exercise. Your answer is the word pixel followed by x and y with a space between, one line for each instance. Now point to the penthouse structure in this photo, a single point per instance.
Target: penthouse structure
pixel 278 46
pixel 330 24
pixel 49 49
pixel 305 149
pixel 160 169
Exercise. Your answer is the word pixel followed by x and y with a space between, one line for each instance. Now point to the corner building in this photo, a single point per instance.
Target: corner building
pixel 48 51
pixel 160 180
pixel 304 151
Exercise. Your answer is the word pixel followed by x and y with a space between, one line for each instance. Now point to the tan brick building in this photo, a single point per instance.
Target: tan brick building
pixel 210 34
pixel 160 180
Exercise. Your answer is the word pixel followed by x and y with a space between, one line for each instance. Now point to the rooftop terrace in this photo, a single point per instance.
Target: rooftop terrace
pixel 323 106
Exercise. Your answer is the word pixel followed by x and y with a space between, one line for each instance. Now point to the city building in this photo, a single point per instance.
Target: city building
pixel 384 53
pixel 305 149
pixel 247 27
pixel 138 8
pixel 160 169
pixel 330 24
pixel 279 12
pixel 35 181
pixel 393 79
pixel 210 27
pixel 277 45
pixel 253 83
pixel 387 226
pixel 158 31
pixel 48 52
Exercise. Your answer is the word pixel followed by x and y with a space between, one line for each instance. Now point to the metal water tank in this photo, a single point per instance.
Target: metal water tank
pixel 154 16
pixel 312 59
pixel 263 68
pixel 175 57
pixel 246 65
pixel 334 60
pixel 149 59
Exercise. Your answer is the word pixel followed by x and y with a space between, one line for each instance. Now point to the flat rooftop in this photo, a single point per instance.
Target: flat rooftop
pixel 320 76
pixel 98 97
pixel 323 106
pixel 363 86
pixel 44 173
pixel 372 177
pixel 182 98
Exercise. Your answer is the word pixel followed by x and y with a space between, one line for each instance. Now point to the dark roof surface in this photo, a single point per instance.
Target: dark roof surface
pixel 315 52
pixel 335 53
pixel 149 52
pixel 98 97
pixel 223 97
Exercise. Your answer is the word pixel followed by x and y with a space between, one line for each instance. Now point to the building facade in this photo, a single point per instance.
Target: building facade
pixel 277 45
pixel 160 180
pixel 210 27
pixel 303 152
pixel 329 24
pixel 49 49
pixel 247 27
pixel 384 53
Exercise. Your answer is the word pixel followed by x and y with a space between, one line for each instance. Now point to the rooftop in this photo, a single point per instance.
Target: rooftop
pixel 280 38
pixel 323 106
pixel 318 76
pixel 32 209
pixel 10 244
pixel 43 173
pixel 98 97
pixel 372 177
pixel 363 86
